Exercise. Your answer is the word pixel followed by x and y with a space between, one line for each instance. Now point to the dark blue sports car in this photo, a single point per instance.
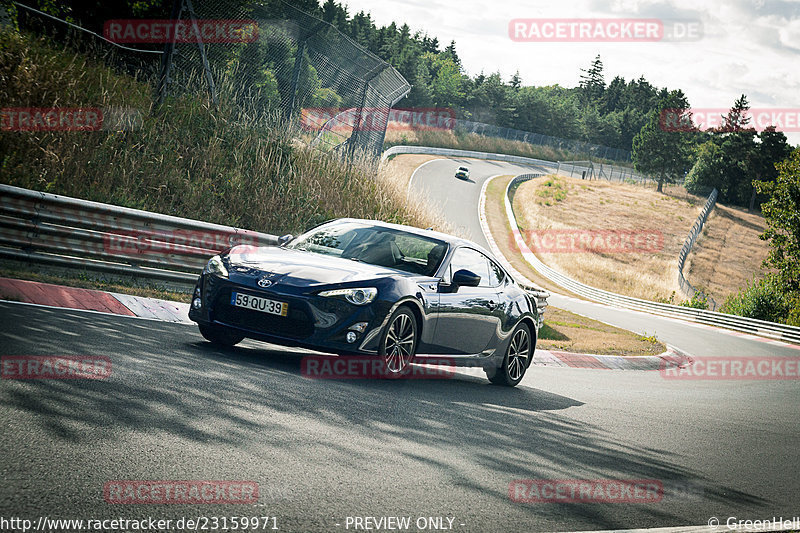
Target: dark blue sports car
pixel 371 288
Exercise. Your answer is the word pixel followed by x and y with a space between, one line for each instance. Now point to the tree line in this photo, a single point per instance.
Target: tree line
pixel 623 114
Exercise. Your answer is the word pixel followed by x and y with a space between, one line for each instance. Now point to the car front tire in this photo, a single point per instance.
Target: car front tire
pixel 399 342
pixel 517 358
pixel 219 335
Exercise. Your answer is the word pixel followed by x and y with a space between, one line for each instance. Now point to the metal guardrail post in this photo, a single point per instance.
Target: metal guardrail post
pixel 53 229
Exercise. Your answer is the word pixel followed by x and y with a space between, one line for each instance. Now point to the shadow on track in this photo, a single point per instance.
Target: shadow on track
pixel 167 380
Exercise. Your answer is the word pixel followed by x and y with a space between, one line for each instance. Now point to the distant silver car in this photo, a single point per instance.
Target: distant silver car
pixel 462 173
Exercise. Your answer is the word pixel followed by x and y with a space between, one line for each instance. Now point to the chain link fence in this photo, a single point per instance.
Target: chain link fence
pixel 294 65
pixel 575 147
pixel 594 171
pixel 269 60
pixel 694 233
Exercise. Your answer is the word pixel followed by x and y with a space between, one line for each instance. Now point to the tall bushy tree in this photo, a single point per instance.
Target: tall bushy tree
pixel 782 214
pixel 658 150
pixel 739 156
pixel 592 83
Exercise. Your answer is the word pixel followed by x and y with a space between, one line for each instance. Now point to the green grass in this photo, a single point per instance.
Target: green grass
pixel 554 188
pixel 223 165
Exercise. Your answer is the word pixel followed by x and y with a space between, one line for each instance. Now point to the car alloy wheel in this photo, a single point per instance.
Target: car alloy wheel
pixel 517 359
pixel 399 342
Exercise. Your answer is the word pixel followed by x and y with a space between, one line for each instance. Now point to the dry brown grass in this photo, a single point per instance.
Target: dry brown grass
pixel 728 253
pixel 569 332
pixel 226 165
pixel 563 330
pixel 403 166
pixel 602 205
pixel 471 141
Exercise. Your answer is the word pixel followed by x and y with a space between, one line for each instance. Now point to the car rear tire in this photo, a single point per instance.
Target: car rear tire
pixel 399 342
pixel 219 335
pixel 517 359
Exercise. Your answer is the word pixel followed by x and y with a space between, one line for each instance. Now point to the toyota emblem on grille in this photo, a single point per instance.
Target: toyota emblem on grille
pixel 264 283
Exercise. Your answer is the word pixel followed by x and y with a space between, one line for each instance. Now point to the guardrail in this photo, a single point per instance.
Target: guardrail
pixel 701 316
pixel 449 152
pixel 58 230
pixel 694 233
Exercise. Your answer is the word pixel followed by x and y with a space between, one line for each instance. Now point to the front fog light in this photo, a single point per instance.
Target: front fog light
pixel 359 327
pixel 351 337
pixel 197 303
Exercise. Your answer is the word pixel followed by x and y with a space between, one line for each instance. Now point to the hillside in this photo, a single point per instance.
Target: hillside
pixel 187 159
pixel 602 208
pixel 728 253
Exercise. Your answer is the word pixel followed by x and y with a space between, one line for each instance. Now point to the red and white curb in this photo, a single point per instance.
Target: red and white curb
pixel 49 295
pixel 672 358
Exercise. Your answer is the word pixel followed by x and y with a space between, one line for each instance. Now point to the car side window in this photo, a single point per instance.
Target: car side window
pixel 472 260
pixel 496 274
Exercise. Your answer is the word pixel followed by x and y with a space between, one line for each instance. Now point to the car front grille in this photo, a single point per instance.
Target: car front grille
pixel 296 325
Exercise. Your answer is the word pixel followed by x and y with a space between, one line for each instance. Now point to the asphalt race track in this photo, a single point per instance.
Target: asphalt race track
pixel 176 408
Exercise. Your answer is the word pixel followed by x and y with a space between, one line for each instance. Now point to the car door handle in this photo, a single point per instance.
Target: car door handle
pixel 492 305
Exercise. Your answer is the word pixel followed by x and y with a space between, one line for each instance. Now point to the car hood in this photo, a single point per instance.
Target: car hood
pixel 304 269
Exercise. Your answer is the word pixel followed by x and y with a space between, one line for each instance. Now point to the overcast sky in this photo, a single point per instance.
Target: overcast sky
pixel 747 47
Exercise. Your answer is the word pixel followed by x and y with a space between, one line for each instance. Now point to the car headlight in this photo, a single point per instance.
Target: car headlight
pixel 216 266
pixel 359 296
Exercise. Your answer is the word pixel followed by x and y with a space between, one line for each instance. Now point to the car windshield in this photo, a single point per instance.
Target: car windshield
pixel 376 245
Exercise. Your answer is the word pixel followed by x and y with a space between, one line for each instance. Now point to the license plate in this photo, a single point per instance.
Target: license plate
pixel 256 303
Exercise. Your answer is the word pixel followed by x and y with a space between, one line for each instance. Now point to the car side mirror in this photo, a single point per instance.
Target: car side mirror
pixel 284 239
pixel 465 278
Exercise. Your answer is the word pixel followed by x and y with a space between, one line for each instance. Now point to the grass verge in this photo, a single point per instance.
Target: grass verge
pixel 565 331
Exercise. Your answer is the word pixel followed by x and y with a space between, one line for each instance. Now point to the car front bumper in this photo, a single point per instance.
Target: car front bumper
pixel 313 321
